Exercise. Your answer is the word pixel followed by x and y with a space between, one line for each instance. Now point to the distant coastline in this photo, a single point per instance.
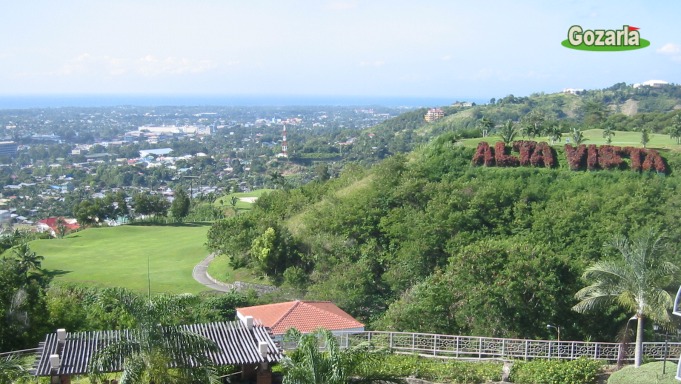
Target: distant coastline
pixel 113 100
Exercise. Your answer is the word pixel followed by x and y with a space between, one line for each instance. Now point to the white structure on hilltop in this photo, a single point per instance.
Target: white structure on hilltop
pixel 651 83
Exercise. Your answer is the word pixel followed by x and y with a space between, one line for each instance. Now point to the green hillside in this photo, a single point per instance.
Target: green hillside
pixel 621 107
pixel 429 243
pixel 117 257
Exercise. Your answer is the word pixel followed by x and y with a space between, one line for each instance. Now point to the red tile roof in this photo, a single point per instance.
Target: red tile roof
pixel 306 316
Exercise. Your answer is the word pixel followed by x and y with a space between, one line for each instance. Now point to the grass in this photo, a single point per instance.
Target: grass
pixel 220 269
pixel 595 136
pixel 117 256
pixel 650 373
pixel 223 202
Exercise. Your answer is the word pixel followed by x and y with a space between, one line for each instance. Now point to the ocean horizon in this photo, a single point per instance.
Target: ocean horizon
pixel 114 100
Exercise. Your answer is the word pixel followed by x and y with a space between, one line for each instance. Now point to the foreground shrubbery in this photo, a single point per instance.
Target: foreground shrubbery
pixel 580 371
pixel 441 371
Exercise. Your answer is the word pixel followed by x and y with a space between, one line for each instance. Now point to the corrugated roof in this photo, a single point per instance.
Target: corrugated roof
pixel 237 345
pixel 306 316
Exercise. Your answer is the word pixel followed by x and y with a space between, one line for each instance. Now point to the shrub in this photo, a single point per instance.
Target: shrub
pixel 580 371
pixel 436 370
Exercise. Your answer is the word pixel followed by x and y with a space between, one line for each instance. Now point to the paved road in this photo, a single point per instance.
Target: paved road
pixel 200 274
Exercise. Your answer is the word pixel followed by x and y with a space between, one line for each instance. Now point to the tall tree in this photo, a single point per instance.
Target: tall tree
pixel 675 129
pixel 608 132
pixel 645 136
pixel 180 205
pixel 486 125
pixel 637 281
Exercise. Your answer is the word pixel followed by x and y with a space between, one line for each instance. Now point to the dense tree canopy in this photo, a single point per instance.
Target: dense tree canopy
pixel 430 243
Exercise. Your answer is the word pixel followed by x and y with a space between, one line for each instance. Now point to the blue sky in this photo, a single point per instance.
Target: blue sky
pixel 457 49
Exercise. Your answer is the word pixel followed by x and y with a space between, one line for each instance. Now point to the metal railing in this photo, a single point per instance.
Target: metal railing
pixel 473 347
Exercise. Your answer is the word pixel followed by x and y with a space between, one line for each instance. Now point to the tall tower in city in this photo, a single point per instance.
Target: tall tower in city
pixel 284 144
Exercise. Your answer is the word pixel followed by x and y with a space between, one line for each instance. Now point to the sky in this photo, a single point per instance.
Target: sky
pixel 372 48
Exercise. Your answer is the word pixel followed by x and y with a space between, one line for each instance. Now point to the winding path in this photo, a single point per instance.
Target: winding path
pixel 200 274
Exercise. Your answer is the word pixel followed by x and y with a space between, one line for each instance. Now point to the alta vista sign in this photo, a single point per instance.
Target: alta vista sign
pixel 626 39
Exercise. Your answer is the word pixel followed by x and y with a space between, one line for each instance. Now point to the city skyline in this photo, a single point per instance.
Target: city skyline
pixel 433 49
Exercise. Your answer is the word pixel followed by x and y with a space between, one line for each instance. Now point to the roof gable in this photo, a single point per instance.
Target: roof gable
pixel 306 316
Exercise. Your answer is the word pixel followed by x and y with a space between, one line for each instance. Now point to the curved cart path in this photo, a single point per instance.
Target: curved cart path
pixel 200 274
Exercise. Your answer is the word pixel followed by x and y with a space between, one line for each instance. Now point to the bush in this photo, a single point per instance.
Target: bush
pixel 441 371
pixel 580 371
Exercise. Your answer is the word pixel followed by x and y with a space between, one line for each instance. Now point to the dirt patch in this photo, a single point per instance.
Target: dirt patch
pixel 630 107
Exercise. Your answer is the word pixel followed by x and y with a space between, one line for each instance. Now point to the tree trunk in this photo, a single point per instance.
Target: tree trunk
pixel 638 352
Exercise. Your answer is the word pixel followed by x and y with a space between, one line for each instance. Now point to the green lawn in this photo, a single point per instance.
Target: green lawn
pixel 650 373
pixel 224 201
pixel 117 256
pixel 220 269
pixel 595 136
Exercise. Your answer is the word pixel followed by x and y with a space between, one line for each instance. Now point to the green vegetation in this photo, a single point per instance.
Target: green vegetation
pixel 117 257
pixel 650 373
pixel 221 270
pixel 429 243
pixel 597 137
pixel 638 282
pixel 580 371
pixel 154 344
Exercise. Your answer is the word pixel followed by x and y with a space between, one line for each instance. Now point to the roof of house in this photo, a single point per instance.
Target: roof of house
pixel 53 222
pixel 237 343
pixel 306 316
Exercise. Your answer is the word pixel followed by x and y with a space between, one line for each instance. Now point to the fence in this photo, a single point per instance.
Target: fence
pixel 472 347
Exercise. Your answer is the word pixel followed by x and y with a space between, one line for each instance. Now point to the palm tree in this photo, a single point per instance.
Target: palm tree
pixel 608 132
pixel 28 260
pixel 308 364
pixel 636 282
pixel 154 353
pixel 554 132
pixel 12 369
pixel 578 136
pixel 508 132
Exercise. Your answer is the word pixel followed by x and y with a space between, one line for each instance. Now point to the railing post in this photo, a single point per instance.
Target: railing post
pixel 526 349
pixel 480 348
pixel 503 348
pixel 413 342
pixel 458 345
pixel 391 341
pixel 550 342
pixel 596 351
pixel 435 345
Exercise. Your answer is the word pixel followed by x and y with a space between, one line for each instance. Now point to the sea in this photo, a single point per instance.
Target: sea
pixel 113 100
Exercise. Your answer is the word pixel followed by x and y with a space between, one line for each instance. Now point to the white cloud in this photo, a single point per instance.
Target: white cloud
pixel 669 49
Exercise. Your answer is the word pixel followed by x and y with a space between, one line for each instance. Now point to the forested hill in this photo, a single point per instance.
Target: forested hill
pixel 427 242
pixel 620 107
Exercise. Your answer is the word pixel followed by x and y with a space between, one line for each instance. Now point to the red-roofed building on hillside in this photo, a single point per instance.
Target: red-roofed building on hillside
pixel 57 225
pixel 305 316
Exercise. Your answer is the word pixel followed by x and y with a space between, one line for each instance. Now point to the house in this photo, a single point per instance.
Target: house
pixel 52 224
pixel 434 114
pixel 305 316
pixel 652 84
